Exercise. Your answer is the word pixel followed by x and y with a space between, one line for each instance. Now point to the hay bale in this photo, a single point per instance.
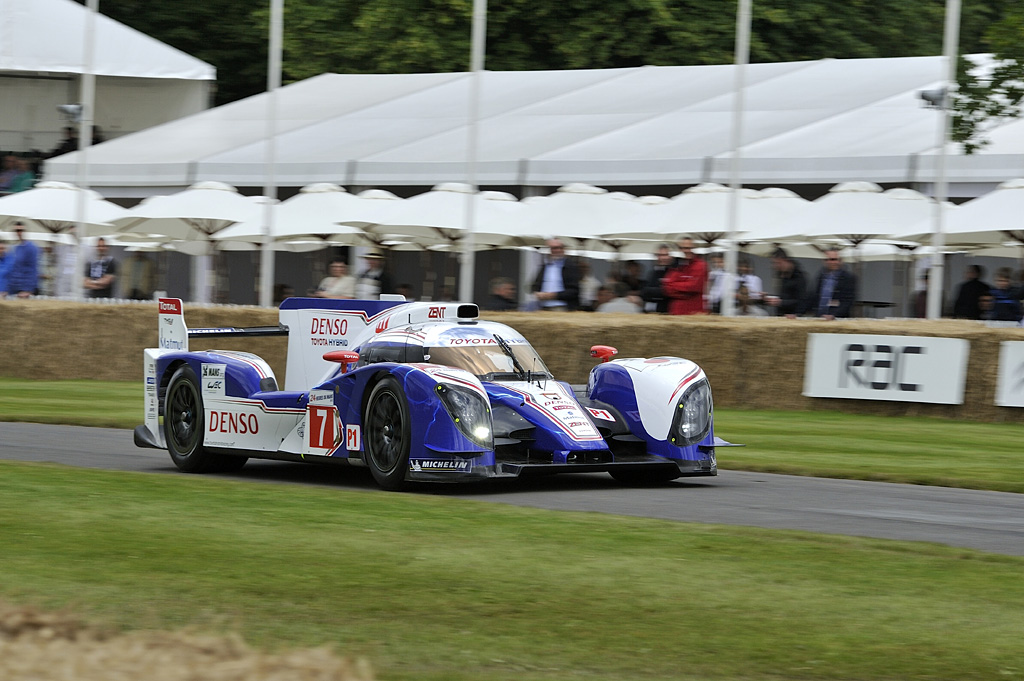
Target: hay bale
pixel 752 363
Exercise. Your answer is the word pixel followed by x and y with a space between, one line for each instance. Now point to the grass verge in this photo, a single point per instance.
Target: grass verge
pixel 99 404
pixel 444 588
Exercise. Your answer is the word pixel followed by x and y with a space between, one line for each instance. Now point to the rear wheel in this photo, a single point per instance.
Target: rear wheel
pixel 386 434
pixel 184 424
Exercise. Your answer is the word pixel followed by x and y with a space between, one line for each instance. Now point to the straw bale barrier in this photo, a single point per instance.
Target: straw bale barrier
pixel 755 363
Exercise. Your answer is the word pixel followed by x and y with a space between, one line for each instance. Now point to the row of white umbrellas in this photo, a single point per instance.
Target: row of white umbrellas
pixel 586 216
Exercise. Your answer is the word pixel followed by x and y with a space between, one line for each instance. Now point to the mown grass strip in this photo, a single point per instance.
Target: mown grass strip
pixel 443 588
pixel 924 451
pixel 99 404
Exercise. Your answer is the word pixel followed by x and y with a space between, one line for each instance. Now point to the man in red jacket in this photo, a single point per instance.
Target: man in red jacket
pixel 684 286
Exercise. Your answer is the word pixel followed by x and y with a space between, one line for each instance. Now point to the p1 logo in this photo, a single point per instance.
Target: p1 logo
pixel 353 438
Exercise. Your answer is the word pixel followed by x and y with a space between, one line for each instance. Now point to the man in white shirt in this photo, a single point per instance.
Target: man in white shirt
pixel 557 285
pixel 340 284
pixel 746 277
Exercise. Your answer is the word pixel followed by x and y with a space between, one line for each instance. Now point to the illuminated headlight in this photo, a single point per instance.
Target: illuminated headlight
pixel 692 419
pixel 471 413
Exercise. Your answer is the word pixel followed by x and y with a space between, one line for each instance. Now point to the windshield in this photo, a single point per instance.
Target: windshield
pixel 487 360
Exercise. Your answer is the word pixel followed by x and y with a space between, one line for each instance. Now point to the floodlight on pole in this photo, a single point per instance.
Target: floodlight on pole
pixel 935 98
pixel 71 112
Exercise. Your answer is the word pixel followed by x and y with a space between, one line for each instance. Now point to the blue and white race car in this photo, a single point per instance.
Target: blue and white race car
pixel 419 392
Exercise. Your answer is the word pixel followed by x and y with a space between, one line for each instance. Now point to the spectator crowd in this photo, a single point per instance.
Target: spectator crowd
pixel 687 284
pixel 690 284
pixel 678 282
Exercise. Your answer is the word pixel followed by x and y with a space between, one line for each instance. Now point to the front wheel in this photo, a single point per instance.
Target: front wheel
pixel 184 423
pixel 386 434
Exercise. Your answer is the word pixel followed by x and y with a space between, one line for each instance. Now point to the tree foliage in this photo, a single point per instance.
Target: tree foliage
pixel 989 96
pixel 391 36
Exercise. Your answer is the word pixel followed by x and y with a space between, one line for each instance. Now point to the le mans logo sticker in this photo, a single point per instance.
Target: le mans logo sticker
pixel 214 377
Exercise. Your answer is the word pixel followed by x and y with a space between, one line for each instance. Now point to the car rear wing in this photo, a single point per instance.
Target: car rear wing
pixel 174 334
pixel 279 330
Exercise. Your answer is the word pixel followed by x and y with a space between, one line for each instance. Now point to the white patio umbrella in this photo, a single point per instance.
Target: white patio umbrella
pixel 311 215
pixel 195 214
pixel 62 239
pixel 769 209
pixel 441 214
pixel 701 211
pixel 53 207
pixel 585 217
pixel 855 212
pixel 374 207
pixel 989 220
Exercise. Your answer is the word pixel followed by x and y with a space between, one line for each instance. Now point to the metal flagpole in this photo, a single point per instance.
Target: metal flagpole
pixel 936 273
pixel 743 13
pixel 270 186
pixel 85 120
pixel 467 272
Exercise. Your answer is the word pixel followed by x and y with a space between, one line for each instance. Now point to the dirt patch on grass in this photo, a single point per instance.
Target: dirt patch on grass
pixel 54 646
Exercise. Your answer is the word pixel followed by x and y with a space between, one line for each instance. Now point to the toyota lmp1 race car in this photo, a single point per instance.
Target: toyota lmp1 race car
pixel 419 392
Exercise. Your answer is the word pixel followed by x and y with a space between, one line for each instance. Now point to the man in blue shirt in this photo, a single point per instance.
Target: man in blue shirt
pixel 23 271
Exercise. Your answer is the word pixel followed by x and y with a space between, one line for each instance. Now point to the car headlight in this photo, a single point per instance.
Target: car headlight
pixel 692 419
pixel 471 413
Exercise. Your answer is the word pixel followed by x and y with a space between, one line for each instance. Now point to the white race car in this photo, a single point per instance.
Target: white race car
pixel 420 392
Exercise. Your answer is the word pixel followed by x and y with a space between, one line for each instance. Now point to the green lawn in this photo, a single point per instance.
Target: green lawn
pixel 435 587
pixel 924 451
pixel 101 404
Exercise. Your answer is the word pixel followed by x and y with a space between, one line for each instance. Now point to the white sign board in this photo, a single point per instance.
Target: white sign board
pixel 892 368
pixel 1010 379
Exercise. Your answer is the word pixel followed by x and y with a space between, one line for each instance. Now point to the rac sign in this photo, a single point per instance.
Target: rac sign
pixel 895 368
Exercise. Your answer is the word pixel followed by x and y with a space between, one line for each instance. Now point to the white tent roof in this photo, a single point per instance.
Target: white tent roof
pixel 824 121
pixel 48 36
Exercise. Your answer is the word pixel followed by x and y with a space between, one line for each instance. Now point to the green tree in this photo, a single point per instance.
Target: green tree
pixel 223 33
pixel 394 36
pixel 987 97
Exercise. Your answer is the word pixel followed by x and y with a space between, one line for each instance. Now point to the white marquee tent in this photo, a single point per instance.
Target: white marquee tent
pixel 140 82
pixel 818 122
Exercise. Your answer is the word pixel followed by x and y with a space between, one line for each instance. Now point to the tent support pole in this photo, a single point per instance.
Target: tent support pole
pixel 270 188
pixel 478 42
pixel 743 13
pixel 936 275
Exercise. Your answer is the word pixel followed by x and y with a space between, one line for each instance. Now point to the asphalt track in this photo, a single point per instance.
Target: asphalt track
pixel 988 521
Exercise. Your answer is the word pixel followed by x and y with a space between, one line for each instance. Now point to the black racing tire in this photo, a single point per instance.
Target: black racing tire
pixel 386 434
pixel 184 427
pixel 645 477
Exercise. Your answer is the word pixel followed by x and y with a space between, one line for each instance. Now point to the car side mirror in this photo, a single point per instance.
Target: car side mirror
pixel 342 357
pixel 603 352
